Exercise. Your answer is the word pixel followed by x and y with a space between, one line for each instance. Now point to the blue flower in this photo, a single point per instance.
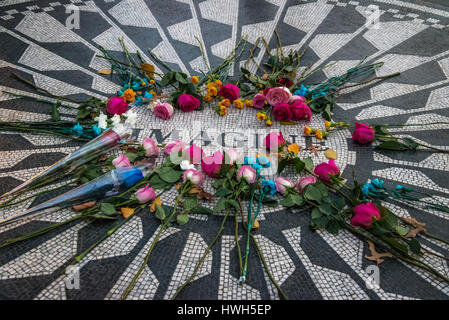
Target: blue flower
pixel 138 101
pixel 78 129
pixel 120 93
pixel 263 161
pixel 135 86
pixel 249 160
pixel 402 188
pixel 96 129
pixel 302 91
pixel 366 189
pixel 256 166
pixel 147 95
pixel 379 184
pixel 270 185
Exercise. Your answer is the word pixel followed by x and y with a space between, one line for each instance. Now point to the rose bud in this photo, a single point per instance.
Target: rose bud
pixel 116 105
pixel 303 182
pixel 163 110
pixel 364 214
pixel 363 133
pixel 174 147
pixel 282 184
pixel 231 156
pixel 194 176
pixel 278 95
pixel 194 153
pixel 121 161
pixel 211 165
pixel 145 194
pixel 248 173
pixel 151 148
pixel 274 141
pixel 229 91
pixel 188 103
pixel 324 170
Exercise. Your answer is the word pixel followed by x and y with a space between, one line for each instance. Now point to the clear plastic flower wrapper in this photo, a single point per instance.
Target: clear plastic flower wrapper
pixel 91 150
pixel 109 184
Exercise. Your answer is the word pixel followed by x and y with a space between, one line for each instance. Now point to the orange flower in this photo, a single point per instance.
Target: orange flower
pixel 129 95
pixel 195 79
pixel 238 103
pixel 225 102
pixel 327 124
pixel 294 148
pixel 223 110
pixel 307 130
pixel 261 116
pixel 249 103
pixel 212 91
pixel 269 122
pixel 318 134
pixel 207 98
pixel 152 81
pixel 218 83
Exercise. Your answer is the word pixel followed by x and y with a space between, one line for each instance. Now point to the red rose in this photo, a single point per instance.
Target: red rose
pixel 116 105
pixel 300 110
pixel 265 91
pixel 364 214
pixel 363 133
pixel 285 82
pixel 187 102
pixel 281 112
pixel 229 91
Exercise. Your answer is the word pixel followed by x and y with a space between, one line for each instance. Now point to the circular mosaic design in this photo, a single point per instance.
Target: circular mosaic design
pixel 410 37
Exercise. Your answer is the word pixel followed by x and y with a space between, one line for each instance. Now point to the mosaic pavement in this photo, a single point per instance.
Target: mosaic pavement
pixel 411 37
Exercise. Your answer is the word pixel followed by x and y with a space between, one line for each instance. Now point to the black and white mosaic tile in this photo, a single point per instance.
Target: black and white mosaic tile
pixel 410 37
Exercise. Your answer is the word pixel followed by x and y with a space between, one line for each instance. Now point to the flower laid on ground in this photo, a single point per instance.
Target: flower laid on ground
pixel 194 153
pixel 163 110
pixel 151 148
pixel 145 194
pixel 325 171
pixel 303 182
pixel 211 165
pixel 363 134
pixel 247 173
pixel 273 141
pixel 194 176
pixel 121 161
pixel 174 147
pixel 364 214
pixel 229 91
pixel 187 102
pixel 283 184
pixel 116 105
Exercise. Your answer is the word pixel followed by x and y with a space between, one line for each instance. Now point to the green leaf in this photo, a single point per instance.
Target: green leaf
pixel 244 71
pixel 316 213
pixel 170 175
pixel 131 156
pixel 415 246
pixel 182 219
pixel 327 114
pixel 340 203
pixel 233 203
pixel 282 164
pixel 107 208
pixel 179 77
pixel 55 112
pixel 220 206
pixel 201 210
pixel 396 244
pixel 222 192
pixel 402 230
pixel 412 144
pixel 157 183
pixel 189 203
pixel 218 183
pixel 165 81
pixel 392 145
pixel 333 226
pixel 82 114
pixel 299 165
pixel 159 213
pixel 308 162
pixel 313 193
pixel 321 222
pixel 288 201
pixel 326 208
pixel 297 199
pixel 322 188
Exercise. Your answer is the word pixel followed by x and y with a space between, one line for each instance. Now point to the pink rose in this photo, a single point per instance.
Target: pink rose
pixel 121 161
pixel 303 182
pixel 211 165
pixel 163 110
pixel 364 214
pixel 187 102
pixel 282 184
pixel 278 95
pixel 363 133
pixel 300 111
pixel 281 112
pixel 194 176
pixel 248 173
pixel 151 148
pixel 324 169
pixel 116 105
pixel 194 153
pixel 174 147
pixel 259 101
pixel 273 140
pixel 229 91
pixel 295 98
pixel 145 194
pixel 231 156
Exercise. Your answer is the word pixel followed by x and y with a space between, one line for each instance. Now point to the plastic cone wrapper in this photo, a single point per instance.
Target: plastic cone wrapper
pixel 109 184
pixel 91 150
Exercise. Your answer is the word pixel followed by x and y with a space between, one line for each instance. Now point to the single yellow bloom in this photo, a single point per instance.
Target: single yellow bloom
pixel 294 148
pixel 249 103
pixel 207 98
pixel 327 124
pixel 152 92
pixel 210 85
pixel 260 91
pixel 225 102
pixel 307 130
pixel 218 83
pixel 195 79
pixel 152 81
pixel 269 123
pixel 261 116
pixel 212 91
pixel 318 134
pixel 156 202
pixel 238 104
pixel 223 110
pixel 260 85
pixel 129 95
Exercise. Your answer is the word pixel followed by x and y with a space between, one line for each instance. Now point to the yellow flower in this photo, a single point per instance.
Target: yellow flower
pixel 260 85
pixel 260 91
pixel 152 81
pixel 210 85
pixel 294 148
pixel 218 83
pixel 307 130
pixel 318 134
pixel 261 116
pixel 225 102
pixel 249 103
pixel 129 95
pixel 223 110
pixel 269 123
pixel 195 79
pixel 207 98
pixel 152 92
pixel 238 103
pixel 212 91
pixel 327 124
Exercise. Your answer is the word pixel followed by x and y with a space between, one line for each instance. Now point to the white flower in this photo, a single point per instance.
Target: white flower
pixel 185 165
pixel 131 117
pixel 102 123
pixel 116 120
